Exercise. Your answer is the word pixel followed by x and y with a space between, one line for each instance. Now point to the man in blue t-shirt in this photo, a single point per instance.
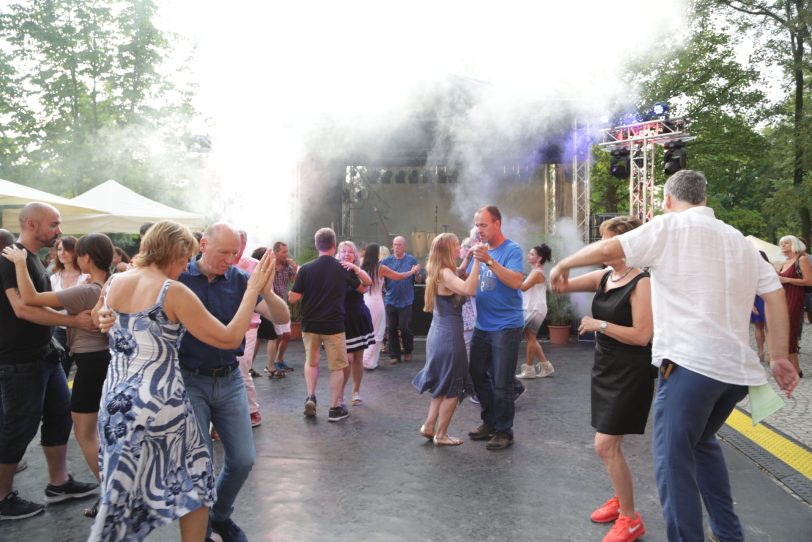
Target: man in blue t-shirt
pixel 498 331
pixel 398 301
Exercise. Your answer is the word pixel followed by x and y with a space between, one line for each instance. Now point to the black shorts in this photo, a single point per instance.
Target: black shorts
pixel 91 370
pixel 266 330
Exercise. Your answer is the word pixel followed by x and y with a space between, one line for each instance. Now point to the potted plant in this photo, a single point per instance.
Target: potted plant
pixel 559 316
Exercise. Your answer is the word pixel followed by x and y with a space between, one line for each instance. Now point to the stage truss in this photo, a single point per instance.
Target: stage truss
pixel 640 140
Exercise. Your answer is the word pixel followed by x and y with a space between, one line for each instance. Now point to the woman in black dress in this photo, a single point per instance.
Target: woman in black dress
pixel 358 329
pixel 622 375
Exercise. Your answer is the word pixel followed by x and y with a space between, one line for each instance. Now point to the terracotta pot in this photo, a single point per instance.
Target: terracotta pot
pixel 560 334
pixel 295 331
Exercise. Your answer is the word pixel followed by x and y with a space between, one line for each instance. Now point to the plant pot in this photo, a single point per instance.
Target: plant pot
pixel 559 334
pixel 295 331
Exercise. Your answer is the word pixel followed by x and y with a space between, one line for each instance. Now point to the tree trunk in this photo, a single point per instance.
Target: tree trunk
pixel 800 135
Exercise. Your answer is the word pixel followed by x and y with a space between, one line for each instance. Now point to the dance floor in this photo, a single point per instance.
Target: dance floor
pixel 372 477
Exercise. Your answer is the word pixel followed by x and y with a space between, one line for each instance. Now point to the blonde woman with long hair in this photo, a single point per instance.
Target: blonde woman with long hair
pixel 358 330
pixel 446 369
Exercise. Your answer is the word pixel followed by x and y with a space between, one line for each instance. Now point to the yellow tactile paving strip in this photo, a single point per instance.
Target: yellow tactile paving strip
pixel 784 449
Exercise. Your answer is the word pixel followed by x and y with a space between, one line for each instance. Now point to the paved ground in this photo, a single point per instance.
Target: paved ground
pixel 373 478
pixel 795 419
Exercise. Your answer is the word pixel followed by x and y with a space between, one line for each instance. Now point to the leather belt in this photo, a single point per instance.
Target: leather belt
pixel 216 372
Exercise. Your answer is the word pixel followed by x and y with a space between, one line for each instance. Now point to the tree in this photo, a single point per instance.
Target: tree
pixel 105 108
pixel 790 38
pixel 722 99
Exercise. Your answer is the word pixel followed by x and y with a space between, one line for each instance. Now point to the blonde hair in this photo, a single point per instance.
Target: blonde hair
pixel 165 243
pixel 354 251
pixel 620 224
pixel 441 256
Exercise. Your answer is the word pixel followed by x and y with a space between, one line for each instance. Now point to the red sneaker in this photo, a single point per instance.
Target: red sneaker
pixel 256 419
pixel 608 511
pixel 626 529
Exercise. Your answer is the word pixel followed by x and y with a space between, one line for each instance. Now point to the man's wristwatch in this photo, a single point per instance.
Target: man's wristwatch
pixel 602 327
pixel 489 262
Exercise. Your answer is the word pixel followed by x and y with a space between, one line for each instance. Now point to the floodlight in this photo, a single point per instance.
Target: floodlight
pixel 675 157
pixel 660 109
pixel 620 164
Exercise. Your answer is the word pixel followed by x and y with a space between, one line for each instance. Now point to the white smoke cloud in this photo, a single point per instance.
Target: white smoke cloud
pixel 279 78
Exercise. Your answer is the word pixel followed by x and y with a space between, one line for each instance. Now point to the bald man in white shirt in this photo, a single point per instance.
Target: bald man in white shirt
pixel 704 275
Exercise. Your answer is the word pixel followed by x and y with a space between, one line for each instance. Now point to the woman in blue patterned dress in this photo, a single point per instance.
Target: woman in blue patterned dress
pixel 155 466
pixel 446 369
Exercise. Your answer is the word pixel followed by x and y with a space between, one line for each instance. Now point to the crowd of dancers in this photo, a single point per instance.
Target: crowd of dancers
pixel 164 346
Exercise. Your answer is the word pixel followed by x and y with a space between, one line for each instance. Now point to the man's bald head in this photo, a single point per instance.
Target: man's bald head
pixel 399 246
pixel 220 248
pixel 39 225
pixel 219 229
pixel 35 211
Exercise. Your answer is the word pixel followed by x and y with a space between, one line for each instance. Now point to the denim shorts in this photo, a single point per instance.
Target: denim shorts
pixel 31 393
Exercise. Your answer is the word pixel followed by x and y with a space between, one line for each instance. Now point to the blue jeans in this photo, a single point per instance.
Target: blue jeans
pixel 222 402
pixel 688 462
pixel 494 355
pixel 31 392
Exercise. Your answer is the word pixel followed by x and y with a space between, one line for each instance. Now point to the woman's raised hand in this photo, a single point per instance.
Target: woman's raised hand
pixel 15 254
pixel 263 274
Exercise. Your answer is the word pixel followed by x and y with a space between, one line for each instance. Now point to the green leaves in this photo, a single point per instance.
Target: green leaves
pixel 84 97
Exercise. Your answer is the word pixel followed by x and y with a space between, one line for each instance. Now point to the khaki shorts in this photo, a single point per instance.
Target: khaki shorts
pixel 335 346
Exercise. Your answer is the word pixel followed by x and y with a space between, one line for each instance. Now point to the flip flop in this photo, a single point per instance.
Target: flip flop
pixel 426 434
pixel 447 441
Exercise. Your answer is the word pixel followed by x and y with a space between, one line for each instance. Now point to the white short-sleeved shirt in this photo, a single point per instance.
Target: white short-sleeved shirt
pixel 704 275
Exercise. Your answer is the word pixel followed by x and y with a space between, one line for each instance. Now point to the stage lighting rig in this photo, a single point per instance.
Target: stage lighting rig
pixel 659 110
pixel 675 157
pixel 620 165
pixel 633 146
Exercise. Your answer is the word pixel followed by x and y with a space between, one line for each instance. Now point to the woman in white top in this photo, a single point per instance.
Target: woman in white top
pixel 66 275
pixel 534 303
pixel 373 298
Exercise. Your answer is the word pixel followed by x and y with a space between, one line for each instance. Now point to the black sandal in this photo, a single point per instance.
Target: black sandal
pixel 274 374
pixel 93 511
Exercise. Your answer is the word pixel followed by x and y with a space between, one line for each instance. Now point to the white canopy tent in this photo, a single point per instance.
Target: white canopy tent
pixel 772 251
pixel 123 211
pixel 14 196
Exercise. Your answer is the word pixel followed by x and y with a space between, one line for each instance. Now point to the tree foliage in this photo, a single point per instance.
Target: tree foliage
pixel 87 90
pixel 748 144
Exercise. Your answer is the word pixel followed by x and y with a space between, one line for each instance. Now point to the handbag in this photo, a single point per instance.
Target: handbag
pixel 56 353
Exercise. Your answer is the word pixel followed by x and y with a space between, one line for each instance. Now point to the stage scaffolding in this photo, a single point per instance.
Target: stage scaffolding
pixel 640 140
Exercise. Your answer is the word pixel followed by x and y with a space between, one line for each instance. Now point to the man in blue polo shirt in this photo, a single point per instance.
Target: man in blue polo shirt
pixel 398 301
pixel 498 331
pixel 212 376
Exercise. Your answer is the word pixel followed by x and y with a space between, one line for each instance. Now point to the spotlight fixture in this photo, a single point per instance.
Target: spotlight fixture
pixel 660 110
pixel 620 165
pixel 400 178
pixel 675 157
pixel 386 176
pixel 414 175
